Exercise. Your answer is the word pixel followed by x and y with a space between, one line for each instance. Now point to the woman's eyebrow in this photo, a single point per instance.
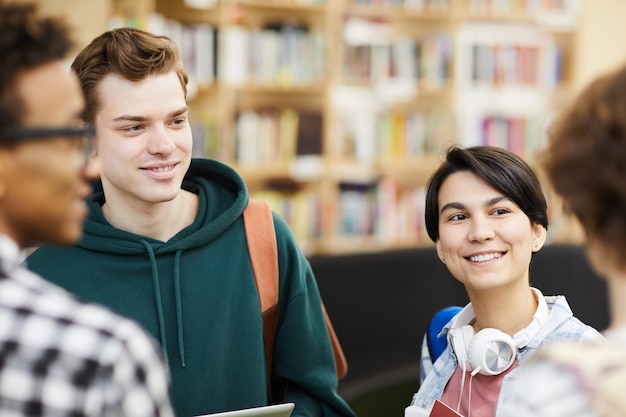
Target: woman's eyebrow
pixel 460 206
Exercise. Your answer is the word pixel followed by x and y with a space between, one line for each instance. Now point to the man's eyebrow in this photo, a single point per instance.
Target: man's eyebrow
pixel 131 118
pixel 178 112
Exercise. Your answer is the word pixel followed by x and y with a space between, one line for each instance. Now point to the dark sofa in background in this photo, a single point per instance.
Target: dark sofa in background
pixel 380 305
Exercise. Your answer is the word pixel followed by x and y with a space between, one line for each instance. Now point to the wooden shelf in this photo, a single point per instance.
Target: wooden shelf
pixel 397 13
pixel 283 6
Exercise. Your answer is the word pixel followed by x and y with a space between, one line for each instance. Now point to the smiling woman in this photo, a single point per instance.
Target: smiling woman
pixel 486 213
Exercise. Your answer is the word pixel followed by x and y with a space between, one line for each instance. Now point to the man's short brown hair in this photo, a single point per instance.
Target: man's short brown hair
pixel 130 53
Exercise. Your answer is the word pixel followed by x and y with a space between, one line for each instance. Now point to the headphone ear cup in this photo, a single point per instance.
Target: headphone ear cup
pixel 491 351
pixel 461 339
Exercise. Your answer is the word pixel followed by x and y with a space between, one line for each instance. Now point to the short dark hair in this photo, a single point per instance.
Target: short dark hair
pixel 500 168
pixel 26 42
pixel 133 54
pixel 586 160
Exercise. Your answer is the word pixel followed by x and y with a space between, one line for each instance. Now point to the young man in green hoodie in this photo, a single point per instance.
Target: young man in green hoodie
pixel 165 245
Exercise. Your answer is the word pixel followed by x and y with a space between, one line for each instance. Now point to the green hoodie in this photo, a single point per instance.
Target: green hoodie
pixel 196 294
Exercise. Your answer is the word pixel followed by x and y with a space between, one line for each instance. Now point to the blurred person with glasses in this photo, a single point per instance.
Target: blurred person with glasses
pixel 82 136
pixel 58 356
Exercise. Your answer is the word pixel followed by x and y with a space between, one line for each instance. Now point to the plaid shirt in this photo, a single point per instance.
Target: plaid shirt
pixel 60 357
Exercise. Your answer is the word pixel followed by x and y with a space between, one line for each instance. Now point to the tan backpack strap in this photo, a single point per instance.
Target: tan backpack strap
pixel 340 358
pixel 263 249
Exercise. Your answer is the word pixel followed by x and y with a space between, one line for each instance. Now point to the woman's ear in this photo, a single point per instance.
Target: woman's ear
pixel 539 237
pixel 440 252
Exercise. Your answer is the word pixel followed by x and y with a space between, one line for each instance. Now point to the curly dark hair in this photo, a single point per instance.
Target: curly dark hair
pixel 131 53
pixel 586 160
pixel 26 41
pixel 500 168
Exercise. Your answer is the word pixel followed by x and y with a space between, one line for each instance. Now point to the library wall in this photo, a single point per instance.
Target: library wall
pixel 600 33
pixel 85 17
pixel 337 111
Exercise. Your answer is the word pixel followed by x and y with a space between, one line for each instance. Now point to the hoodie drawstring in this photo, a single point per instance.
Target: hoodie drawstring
pixel 179 308
pixel 159 303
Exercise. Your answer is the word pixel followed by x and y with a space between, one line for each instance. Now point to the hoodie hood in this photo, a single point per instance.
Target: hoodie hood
pixel 213 181
pixel 222 198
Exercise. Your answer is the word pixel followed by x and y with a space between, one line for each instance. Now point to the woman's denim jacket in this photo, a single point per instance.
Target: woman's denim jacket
pixel 561 325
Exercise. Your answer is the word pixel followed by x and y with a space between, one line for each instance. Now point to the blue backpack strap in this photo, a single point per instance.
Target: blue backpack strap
pixel 437 344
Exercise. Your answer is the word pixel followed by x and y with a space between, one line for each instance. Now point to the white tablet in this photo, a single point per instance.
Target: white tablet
pixel 277 410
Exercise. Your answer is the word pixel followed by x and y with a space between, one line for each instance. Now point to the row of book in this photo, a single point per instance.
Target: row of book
pixel 522 134
pixel 372 53
pixel 268 136
pixel 276 135
pixel 280 135
pixel 517 64
pixel 381 210
pixel 299 208
pixel 392 135
pixel 282 53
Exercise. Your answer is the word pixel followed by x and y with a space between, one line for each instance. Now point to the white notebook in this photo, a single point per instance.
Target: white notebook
pixel 277 410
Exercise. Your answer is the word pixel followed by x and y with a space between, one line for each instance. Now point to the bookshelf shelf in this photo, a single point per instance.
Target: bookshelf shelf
pixel 359 244
pixel 284 6
pixel 282 89
pixel 397 13
pixel 264 172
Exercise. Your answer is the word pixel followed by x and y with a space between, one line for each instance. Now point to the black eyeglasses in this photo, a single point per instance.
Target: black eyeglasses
pixel 16 134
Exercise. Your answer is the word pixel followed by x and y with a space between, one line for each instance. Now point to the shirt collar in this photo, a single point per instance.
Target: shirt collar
pixel 10 253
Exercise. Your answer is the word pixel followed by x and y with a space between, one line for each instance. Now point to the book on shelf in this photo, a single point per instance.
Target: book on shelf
pixel 206 143
pixel 392 134
pixel 277 135
pixel 382 210
pixel 234 46
pixel 375 58
pixel 521 134
pixel 503 55
pixel 309 133
pixel 279 53
pixel 299 208
pixel 355 209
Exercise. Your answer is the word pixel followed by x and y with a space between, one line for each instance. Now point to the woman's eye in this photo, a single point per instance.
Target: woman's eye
pixel 500 211
pixel 457 217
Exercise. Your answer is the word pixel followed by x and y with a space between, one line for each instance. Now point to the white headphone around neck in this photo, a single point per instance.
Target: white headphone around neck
pixel 491 351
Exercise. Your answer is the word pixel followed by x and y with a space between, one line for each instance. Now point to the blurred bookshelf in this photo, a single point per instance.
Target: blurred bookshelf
pixel 337 111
